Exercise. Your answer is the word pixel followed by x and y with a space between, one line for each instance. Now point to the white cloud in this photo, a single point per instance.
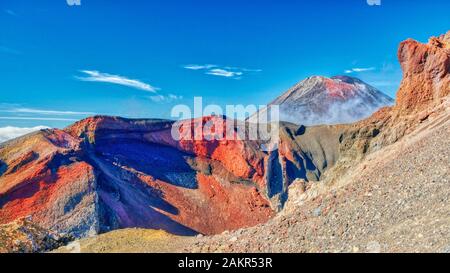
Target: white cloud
pixel 15 112
pixel 7 133
pixel 359 69
pixel 96 76
pixel 232 72
pixel 363 69
pixel 46 112
pixel 200 67
pixel 169 98
pixel 385 76
pixel 38 118
pixel 224 73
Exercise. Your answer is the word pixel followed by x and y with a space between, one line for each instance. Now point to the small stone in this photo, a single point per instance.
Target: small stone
pixel 373 247
pixel 446 249
pixel 317 212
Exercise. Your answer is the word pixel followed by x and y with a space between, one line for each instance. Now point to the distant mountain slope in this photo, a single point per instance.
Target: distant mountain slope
pixel 337 100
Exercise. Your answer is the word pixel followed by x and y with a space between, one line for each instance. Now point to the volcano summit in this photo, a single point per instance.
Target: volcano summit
pixel 320 100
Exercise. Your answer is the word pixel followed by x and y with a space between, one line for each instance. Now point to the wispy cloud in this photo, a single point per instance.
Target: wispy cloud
pixel 224 73
pixel 385 76
pixel 96 76
pixel 9 132
pixel 359 69
pixel 18 112
pixel 242 69
pixel 232 72
pixel 199 67
pixel 39 118
pixel 169 98
pixel 46 112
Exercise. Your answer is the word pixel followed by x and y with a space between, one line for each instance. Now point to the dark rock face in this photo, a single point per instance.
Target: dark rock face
pixel 319 100
pixel 3 167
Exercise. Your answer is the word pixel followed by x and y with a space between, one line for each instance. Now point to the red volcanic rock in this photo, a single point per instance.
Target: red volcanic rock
pixel 423 93
pixel 426 76
pixel 38 196
pixel 44 180
pixel 343 89
pixel 224 206
pixel 104 173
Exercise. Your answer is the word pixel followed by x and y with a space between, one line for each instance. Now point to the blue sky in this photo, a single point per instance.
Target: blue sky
pixel 60 63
